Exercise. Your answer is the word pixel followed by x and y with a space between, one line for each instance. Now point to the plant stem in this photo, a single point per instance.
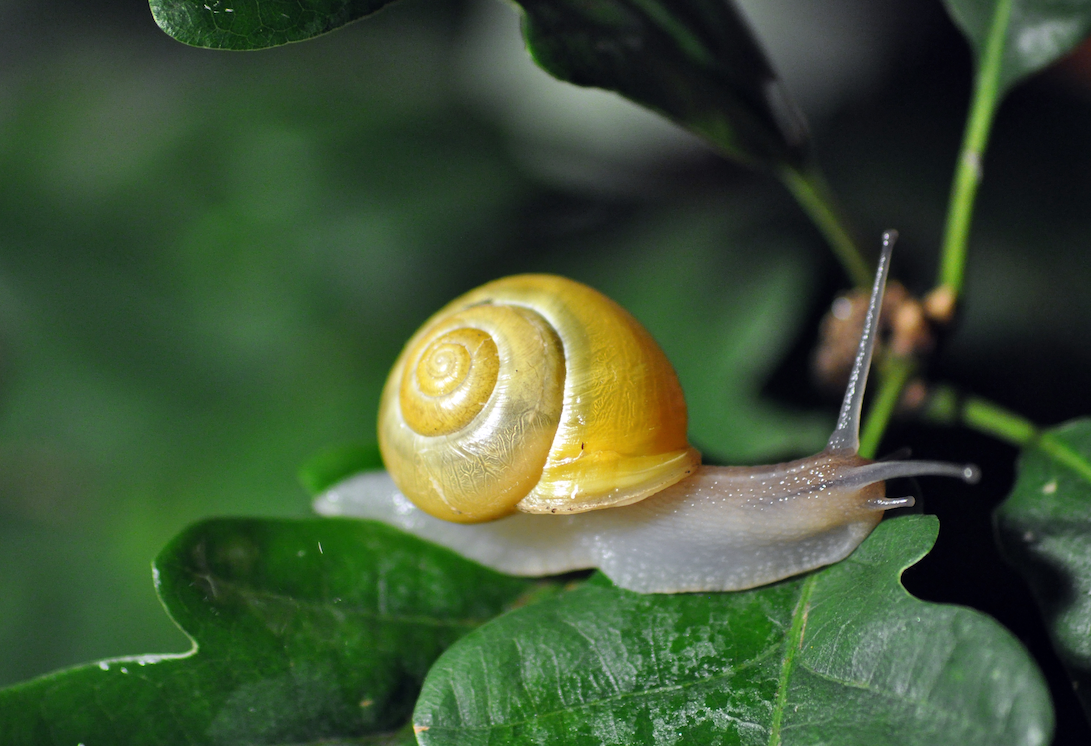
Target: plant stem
pixel 968 170
pixel 992 419
pixel 812 192
pixel 893 376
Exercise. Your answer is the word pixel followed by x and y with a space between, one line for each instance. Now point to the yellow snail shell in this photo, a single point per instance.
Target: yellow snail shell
pixel 534 393
pixel 541 409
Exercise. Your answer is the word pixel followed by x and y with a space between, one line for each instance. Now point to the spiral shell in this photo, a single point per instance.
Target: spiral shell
pixel 532 393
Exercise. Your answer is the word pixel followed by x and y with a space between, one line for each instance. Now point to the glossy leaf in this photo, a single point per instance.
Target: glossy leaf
pixel 695 61
pixel 255 24
pixel 1027 35
pixel 841 656
pixel 1044 528
pixel 303 631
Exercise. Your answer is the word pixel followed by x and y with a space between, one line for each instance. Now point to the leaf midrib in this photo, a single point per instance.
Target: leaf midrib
pixel 792 643
pixel 1064 454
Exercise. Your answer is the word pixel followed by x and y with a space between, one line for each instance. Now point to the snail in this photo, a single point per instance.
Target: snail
pixel 534 426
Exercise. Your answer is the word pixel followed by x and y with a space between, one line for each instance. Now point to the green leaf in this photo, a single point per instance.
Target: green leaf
pixel 1044 528
pixel 1015 38
pixel 694 61
pixel 302 630
pixel 842 656
pixel 329 467
pixel 255 24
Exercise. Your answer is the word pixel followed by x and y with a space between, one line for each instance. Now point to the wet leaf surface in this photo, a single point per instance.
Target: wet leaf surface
pixel 256 24
pixel 841 656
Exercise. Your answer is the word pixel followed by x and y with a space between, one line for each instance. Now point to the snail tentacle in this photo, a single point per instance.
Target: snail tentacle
pixel 846 435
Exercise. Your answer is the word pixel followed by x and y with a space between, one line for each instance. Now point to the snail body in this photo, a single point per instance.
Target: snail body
pixel 608 480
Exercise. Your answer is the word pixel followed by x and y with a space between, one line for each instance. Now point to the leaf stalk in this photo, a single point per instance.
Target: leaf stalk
pixel 992 419
pixel 813 194
pixel 986 97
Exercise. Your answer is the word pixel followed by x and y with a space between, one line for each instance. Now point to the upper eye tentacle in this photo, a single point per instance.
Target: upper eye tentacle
pixel 846 436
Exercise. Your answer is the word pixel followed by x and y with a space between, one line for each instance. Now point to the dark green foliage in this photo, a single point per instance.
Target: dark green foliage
pixel 255 24
pixel 1045 529
pixel 303 631
pixel 694 61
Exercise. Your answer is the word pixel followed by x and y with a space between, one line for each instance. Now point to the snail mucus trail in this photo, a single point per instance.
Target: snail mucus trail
pixel 712 528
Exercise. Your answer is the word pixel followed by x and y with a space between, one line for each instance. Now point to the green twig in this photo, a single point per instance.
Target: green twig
pixel 813 194
pixel 992 419
pixel 947 406
pixel 986 96
pixel 893 376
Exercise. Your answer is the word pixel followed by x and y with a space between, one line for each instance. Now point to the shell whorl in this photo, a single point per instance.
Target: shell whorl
pixel 449 382
pixel 471 410
pixel 532 393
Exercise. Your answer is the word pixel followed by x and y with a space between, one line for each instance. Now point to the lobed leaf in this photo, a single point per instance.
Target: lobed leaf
pixel 255 24
pixel 303 632
pixel 842 656
pixel 1044 529
pixel 1028 34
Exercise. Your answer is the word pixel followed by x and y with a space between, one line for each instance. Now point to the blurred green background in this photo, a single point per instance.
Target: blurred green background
pixel 209 260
